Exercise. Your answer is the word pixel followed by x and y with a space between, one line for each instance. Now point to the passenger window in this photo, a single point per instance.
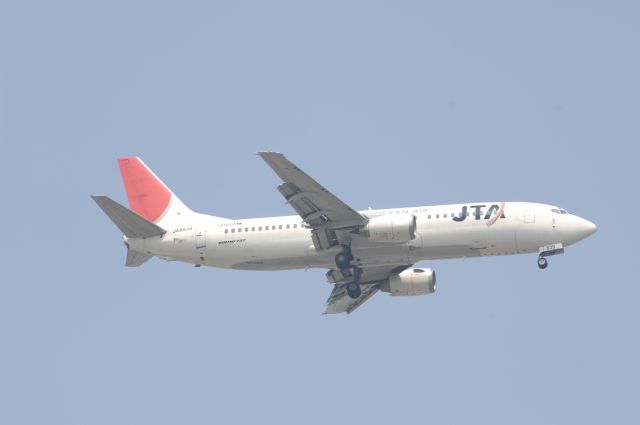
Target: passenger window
pixel 240 230
pixel 226 231
pixel 233 230
pixel 280 227
pixel 259 228
pixel 253 229
pixel 444 216
pixel 437 215
pixel 273 227
pixel 295 226
pixel 266 227
pixel 246 229
pixel 288 226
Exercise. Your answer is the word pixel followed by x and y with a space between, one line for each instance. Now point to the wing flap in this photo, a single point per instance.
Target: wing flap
pixel 372 278
pixel 340 302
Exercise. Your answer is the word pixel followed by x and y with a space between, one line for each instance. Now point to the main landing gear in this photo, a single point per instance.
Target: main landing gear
pixel 354 290
pixel 343 259
pixel 343 262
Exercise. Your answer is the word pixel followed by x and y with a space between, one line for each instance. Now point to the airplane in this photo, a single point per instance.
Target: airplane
pixel 364 251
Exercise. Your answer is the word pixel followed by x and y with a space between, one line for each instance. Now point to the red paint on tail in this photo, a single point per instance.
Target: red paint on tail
pixel 148 196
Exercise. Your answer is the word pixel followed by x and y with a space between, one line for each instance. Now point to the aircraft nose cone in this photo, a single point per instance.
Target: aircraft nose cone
pixel 585 228
pixel 592 228
pixel 577 228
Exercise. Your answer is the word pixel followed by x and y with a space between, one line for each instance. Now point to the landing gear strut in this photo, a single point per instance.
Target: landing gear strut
pixel 353 288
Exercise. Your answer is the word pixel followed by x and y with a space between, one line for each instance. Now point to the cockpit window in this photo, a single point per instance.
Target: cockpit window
pixel 559 211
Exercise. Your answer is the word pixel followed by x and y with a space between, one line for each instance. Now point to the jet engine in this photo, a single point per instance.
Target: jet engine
pixel 392 228
pixel 411 282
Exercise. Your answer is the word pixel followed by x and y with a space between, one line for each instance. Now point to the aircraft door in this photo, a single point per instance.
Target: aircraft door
pixel 201 238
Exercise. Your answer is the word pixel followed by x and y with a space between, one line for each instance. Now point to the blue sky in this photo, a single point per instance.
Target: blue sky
pixel 387 104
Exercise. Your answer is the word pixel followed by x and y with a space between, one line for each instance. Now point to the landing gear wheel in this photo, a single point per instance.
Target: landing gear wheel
pixel 354 290
pixel 343 260
pixel 542 262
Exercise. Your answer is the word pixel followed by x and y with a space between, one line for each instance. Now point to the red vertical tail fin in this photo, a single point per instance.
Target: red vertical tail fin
pixel 147 195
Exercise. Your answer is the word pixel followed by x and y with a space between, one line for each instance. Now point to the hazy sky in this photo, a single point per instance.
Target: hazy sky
pixel 387 104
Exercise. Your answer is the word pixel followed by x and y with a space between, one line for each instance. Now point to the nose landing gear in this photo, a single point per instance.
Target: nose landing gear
pixel 542 263
pixel 546 251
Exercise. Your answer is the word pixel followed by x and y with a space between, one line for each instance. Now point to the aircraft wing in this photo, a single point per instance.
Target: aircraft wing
pixel 372 279
pixel 320 209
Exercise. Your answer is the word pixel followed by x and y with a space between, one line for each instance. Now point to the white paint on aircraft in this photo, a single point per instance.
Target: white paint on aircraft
pixel 365 251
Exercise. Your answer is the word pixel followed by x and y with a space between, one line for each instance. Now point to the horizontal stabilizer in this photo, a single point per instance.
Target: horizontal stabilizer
pixel 135 258
pixel 130 223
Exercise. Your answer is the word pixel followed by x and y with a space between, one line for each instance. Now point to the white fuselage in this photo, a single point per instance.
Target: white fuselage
pixel 276 243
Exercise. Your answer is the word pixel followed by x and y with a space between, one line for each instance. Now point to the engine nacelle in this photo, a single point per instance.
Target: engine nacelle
pixel 411 282
pixel 392 228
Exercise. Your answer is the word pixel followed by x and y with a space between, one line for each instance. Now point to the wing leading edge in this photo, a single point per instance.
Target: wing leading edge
pixel 323 212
